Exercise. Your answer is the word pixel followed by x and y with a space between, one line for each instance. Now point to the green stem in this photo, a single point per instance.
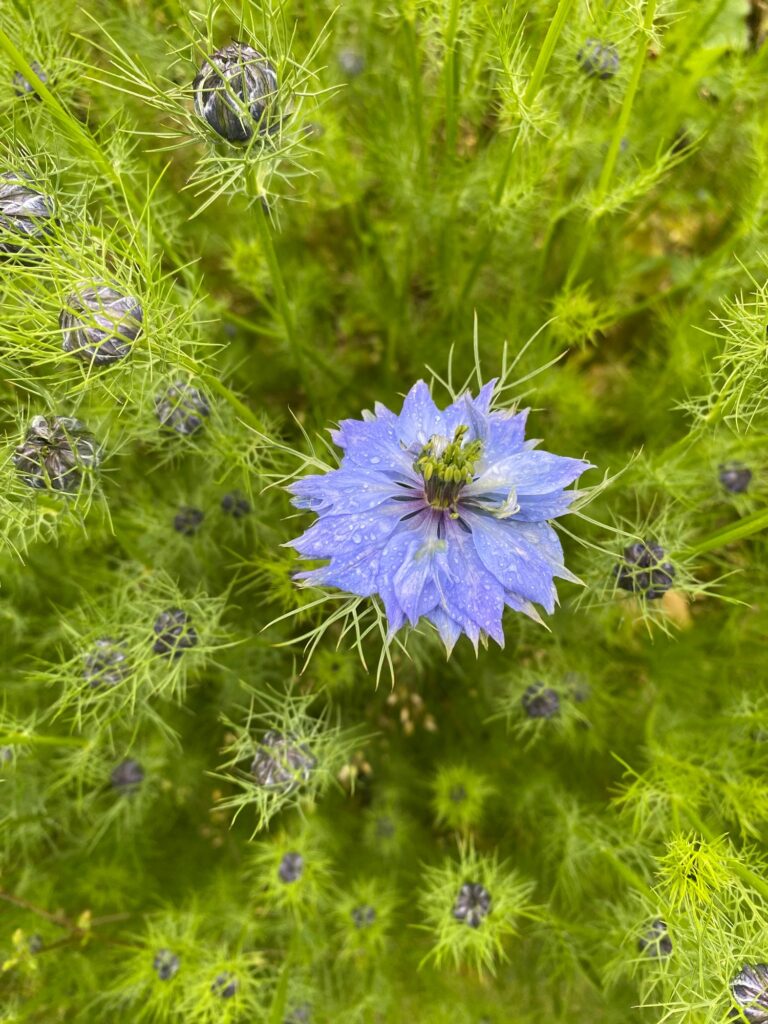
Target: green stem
pixel 745 527
pixel 537 77
pixel 21 738
pixel 281 294
pixel 619 132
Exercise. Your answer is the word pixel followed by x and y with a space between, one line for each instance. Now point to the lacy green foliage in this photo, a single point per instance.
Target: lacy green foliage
pixel 451 193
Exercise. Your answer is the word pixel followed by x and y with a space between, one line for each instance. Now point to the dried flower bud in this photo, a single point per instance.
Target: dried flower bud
pixel 128 775
pixel 54 454
pixel 236 93
pixel 598 59
pixel 281 762
pixel 187 521
pixel 174 634
pixel 106 663
pixel 655 942
pixel 182 408
pixel 225 985
pixel 363 916
pixel 165 964
pixel 22 87
pixel 291 867
pixel 750 991
pixel 644 572
pixel 99 324
pixel 539 701
pixel 235 505
pixel 24 213
pixel 735 477
pixel 473 903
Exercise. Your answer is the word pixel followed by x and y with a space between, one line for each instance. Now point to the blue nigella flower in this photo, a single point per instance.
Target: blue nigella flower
pixel 442 514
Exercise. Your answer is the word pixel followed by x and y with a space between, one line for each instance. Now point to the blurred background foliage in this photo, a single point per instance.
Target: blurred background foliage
pixel 584 184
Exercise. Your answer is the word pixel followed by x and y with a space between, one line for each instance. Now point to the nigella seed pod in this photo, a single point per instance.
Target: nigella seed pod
pixel 598 59
pixel 235 505
pixel 106 664
pixel 363 916
pixel 236 93
pixel 291 867
pixel 23 87
pixel 174 634
pixel 539 701
pixel 655 942
pixel 54 454
pixel 35 943
pixel 165 964
pixel 735 477
pixel 225 985
pixel 127 776
pixel 181 407
pixel 99 324
pixel 281 763
pixel 457 794
pixel 24 213
pixel 750 991
pixel 187 521
pixel 644 571
pixel 473 903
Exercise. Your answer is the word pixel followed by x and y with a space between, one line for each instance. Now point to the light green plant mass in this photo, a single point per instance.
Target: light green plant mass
pixel 228 798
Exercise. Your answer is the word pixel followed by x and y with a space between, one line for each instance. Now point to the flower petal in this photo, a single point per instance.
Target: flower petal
pixel 528 472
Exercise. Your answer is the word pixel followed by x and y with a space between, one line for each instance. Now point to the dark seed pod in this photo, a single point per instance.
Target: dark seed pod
pixel 750 991
pixel 539 701
pixel 291 867
pixel 225 985
pixel 236 93
pixel 473 903
pixel 385 828
pixel 35 943
pixel 24 213
pixel 235 505
pixel 281 762
pixel 351 62
pixel 735 477
pixel 458 794
pixel 655 942
pixel 644 571
pixel 182 408
pixel 165 964
pixel 174 634
pixel 598 59
pixel 363 916
pixel 22 87
pixel 106 664
pixel 54 454
pixel 99 324
pixel 6 754
pixel 187 521
pixel 128 775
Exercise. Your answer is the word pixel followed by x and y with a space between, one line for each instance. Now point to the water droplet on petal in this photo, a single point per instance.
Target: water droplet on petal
pixel 375 460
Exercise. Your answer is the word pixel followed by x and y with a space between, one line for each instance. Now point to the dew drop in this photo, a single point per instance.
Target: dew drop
pixel 375 460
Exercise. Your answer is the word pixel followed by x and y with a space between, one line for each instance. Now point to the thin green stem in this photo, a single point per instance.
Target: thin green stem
pixel 534 85
pixel 619 132
pixel 281 295
pixel 740 530
pixel 13 739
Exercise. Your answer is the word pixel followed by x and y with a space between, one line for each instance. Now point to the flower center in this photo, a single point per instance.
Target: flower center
pixel 447 467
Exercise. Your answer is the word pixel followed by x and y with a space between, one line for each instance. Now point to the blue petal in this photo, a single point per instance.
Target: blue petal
pixel 510 556
pixel 528 472
pixel 469 590
pixel 449 629
pixel 505 435
pixel 537 508
pixel 330 536
pixel 343 491
pixel 373 445
pixel 420 418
